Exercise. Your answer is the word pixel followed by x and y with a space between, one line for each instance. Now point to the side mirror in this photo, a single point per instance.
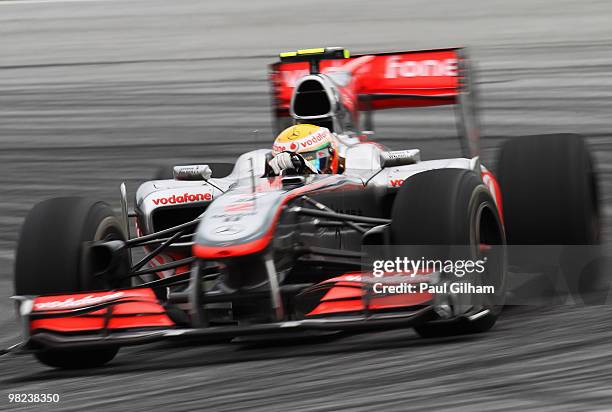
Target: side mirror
pixel 192 172
pixel 400 158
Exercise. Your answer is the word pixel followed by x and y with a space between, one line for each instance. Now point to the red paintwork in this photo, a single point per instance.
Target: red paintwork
pixel 491 182
pixel 86 324
pixel 425 78
pixel 341 292
pixel 146 312
pixel 376 303
pixel 221 252
pixel 346 295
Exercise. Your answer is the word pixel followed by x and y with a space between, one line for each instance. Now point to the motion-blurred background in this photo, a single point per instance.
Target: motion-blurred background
pixel 95 92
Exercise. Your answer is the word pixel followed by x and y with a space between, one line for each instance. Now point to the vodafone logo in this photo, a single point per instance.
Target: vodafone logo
pixel 75 303
pixel 292 147
pixel 184 198
pixel 278 148
pixel 314 139
pixel 305 143
pixel 395 68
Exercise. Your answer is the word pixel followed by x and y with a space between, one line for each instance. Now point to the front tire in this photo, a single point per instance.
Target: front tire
pixel 77 359
pixel 448 208
pixel 51 259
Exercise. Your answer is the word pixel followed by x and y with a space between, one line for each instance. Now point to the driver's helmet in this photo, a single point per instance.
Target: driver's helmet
pixel 317 145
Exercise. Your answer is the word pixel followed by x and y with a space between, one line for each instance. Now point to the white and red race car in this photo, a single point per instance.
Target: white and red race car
pixel 231 250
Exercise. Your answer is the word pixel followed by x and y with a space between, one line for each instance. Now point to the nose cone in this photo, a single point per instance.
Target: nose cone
pixel 237 224
pixel 242 222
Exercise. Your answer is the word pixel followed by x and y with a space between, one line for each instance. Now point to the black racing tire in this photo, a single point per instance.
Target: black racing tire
pixel 550 198
pixel 549 191
pixel 452 207
pixel 219 170
pixel 77 358
pixel 50 249
pixel 50 260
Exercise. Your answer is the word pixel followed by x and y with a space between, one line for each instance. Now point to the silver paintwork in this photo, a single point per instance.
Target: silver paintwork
pixel 362 165
pixel 330 89
pixel 342 119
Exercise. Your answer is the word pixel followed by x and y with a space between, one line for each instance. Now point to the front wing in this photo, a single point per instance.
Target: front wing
pixel 137 316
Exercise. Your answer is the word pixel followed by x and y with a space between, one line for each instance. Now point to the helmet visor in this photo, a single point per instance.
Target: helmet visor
pixel 319 159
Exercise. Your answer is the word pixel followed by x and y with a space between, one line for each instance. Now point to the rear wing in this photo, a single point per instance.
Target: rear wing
pixel 370 82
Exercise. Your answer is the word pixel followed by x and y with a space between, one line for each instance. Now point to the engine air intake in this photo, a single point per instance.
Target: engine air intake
pixel 311 99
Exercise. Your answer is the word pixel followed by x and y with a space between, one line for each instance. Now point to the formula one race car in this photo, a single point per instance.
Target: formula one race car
pixel 232 250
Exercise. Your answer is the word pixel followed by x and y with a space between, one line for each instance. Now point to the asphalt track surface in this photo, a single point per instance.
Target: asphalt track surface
pixel 96 92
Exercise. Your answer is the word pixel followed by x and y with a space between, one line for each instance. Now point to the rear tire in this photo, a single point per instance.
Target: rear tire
pixel 50 260
pixel 550 197
pixel 452 207
pixel 549 191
